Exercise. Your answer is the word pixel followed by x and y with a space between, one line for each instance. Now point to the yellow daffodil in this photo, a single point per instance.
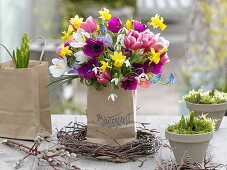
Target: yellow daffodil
pixel 105 14
pixel 104 65
pixel 65 51
pixel 157 21
pixel 98 27
pixel 70 29
pixel 128 24
pixel 155 56
pixel 66 36
pixel 118 58
pixel 76 21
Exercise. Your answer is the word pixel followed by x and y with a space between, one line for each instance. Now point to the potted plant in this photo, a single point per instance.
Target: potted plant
pixel 191 135
pixel 24 98
pixel 112 59
pixel 213 102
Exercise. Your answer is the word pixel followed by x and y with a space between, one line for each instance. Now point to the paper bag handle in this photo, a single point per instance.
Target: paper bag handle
pixel 41 55
pixel 44 46
pixel 7 52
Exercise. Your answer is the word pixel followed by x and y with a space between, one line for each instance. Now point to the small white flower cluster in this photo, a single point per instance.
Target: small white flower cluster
pixel 38 140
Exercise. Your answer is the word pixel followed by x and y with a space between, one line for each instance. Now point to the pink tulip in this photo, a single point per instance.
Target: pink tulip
pixel 103 77
pixel 137 40
pixel 165 59
pixel 148 38
pixel 143 83
pixel 133 40
pixel 90 25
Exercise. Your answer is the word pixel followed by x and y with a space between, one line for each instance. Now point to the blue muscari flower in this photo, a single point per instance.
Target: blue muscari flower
pixel 171 79
pixel 156 78
pixel 107 40
pixel 103 29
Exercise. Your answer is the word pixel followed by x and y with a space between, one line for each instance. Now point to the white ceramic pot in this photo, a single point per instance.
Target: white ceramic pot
pixel 194 144
pixel 216 111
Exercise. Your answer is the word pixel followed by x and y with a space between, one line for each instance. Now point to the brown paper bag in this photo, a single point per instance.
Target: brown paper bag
pixel 24 101
pixel 111 122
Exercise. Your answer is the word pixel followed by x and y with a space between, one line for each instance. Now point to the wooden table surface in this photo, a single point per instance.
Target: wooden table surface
pixel 217 148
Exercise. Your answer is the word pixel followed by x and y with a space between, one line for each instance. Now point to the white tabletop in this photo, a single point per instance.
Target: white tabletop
pixel 217 147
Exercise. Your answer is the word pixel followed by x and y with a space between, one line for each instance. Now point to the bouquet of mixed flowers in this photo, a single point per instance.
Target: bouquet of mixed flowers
pixel 112 54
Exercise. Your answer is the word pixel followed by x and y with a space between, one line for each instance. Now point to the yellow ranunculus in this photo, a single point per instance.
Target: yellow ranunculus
pixel 118 58
pixel 157 21
pixel 105 14
pixel 104 65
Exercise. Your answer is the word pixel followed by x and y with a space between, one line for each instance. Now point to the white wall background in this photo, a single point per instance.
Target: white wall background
pixel 36 17
pixel 15 19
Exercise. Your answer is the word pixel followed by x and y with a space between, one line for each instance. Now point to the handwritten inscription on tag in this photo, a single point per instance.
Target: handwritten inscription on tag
pixel 114 121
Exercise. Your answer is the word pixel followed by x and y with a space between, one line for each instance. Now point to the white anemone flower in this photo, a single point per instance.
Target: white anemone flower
pixel 115 81
pixel 59 67
pixel 81 57
pixel 80 37
pixel 112 96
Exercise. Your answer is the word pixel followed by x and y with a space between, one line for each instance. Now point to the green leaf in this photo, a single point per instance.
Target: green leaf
pixel 191 121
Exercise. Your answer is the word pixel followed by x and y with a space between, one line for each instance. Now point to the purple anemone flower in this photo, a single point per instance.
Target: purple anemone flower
pixel 129 83
pixel 137 68
pixel 156 68
pixel 114 24
pixel 86 70
pixel 126 52
pixel 139 27
pixel 152 68
pixel 93 47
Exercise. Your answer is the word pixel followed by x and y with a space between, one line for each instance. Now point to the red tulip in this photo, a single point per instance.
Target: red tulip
pixel 103 77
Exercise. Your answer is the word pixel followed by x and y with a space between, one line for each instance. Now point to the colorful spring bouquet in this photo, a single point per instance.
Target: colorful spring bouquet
pixel 113 54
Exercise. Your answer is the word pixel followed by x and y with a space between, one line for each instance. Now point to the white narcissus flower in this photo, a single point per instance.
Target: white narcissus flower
pixel 127 63
pixel 115 81
pixel 59 67
pixel 80 37
pixel 81 57
pixel 112 96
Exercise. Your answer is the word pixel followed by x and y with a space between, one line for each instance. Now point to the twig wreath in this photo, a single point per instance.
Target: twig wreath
pixel 71 141
pixel 73 137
